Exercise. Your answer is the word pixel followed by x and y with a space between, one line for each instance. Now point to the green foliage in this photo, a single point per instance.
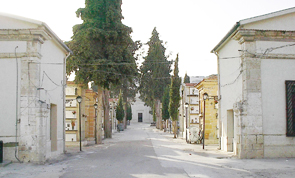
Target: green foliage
pixel 129 87
pixel 129 112
pixel 165 104
pixel 186 78
pixel 120 109
pixel 155 71
pixel 174 92
pixel 102 46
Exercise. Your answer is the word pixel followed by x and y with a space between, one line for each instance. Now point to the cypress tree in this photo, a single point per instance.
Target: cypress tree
pixel 175 96
pixel 120 109
pixel 129 112
pixel 101 45
pixel 165 105
pixel 155 75
pixel 186 78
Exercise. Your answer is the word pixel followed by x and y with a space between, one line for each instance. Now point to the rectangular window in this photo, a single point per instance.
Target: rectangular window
pixel 290 107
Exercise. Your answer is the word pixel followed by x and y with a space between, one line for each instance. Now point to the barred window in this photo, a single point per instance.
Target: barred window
pixel 290 107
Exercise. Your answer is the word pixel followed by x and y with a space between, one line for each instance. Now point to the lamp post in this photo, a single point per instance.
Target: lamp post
pixel 79 100
pixel 95 134
pixel 205 96
pixel 186 106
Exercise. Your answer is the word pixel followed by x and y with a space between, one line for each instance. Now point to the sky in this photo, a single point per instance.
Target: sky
pixel 190 28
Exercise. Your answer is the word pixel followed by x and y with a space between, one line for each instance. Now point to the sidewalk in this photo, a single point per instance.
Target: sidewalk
pixel 208 151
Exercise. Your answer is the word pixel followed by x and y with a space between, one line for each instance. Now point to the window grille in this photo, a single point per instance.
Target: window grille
pixel 290 107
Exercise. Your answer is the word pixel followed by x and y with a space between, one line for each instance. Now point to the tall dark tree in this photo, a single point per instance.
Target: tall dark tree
pixel 186 78
pixel 165 105
pixel 175 96
pixel 120 109
pixel 155 74
pixel 129 112
pixel 102 49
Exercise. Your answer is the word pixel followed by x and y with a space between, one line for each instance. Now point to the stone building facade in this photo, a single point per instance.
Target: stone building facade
pixel 32 62
pixel 209 85
pixel 256 67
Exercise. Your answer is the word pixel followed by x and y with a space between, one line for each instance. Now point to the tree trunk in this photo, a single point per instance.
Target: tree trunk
pixel 99 117
pixel 125 103
pixel 175 128
pixel 158 114
pixel 106 109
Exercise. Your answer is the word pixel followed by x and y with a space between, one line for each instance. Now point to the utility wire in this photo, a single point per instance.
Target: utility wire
pixel 90 70
pixel 267 51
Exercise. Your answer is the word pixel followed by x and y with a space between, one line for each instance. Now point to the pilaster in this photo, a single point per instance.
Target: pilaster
pixel 250 118
pixel 33 113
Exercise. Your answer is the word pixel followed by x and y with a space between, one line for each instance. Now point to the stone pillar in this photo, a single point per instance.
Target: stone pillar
pixel 250 119
pixel 33 112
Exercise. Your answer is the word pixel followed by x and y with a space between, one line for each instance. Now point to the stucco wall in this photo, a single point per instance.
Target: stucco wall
pixel 12 23
pixel 274 74
pixel 230 84
pixel 278 23
pixel 52 65
pixel 8 110
pixel 8 97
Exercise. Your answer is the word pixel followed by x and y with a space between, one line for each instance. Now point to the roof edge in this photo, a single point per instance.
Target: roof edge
pixel 251 20
pixel 267 16
pixel 40 23
pixel 225 38
pixel 57 38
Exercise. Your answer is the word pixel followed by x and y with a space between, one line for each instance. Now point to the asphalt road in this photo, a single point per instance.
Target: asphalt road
pixel 143 151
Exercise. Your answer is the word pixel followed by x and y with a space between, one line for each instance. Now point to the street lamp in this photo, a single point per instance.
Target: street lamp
pixel 95 107
pixel 205 96
pixel 79 100
pixel 186 106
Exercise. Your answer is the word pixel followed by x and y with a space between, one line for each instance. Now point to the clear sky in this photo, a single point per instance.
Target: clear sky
pixel 191 28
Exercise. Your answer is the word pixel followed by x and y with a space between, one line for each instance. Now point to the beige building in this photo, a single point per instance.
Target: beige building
pixel 209 86
pixel 89 121
pixel 72 113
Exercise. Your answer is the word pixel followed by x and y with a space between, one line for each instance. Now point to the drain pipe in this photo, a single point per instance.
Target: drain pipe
pixel 219 98
pixel 16 119
pixel 64 105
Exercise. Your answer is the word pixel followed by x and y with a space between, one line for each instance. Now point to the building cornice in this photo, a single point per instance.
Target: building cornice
pixel 244 35
pixel 24 35
pixel 248 35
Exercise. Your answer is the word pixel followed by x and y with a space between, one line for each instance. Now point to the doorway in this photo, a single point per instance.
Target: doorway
pixel 139 117
pixel 230 130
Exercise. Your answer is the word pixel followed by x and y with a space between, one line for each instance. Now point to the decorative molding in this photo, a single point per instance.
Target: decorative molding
pixel 19 55
pixel 24 35
pixel 249 35
pixel 245 36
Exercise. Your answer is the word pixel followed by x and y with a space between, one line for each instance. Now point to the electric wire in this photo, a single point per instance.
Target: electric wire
pixel 267 51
